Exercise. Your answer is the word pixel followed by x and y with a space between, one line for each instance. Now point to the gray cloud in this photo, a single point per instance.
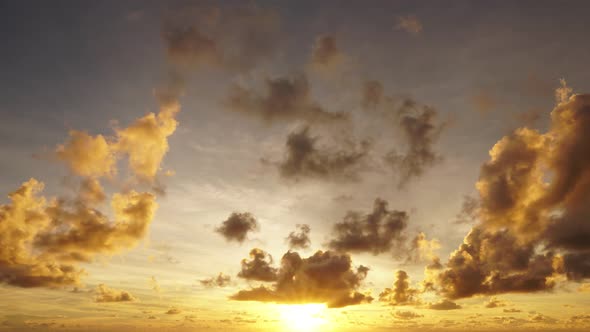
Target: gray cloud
pixel 379 231
pixel 237 226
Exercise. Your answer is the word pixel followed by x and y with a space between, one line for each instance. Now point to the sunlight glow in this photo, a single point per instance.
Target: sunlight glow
pixel 304 317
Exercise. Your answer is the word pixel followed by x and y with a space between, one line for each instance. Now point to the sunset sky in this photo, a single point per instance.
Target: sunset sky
pixel 294 166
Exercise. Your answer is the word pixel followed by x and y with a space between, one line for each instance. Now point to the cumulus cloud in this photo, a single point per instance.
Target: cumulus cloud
pixel 144 142
pixel 495 302
pixel 420 129
pixel 325 277
pixel 401 293
pixel 410 24
pixel 237 226
pixel 532 212
pixel 325 52
pixel 234 37
pixel 421 249
pixel 75 153
pixel 379 231
pixel 106 294
pixel 284 99
pixel 444 305
pixel 259 267
pixel 221 280
pixel 43 240
pixel 305 159
pixel 299 239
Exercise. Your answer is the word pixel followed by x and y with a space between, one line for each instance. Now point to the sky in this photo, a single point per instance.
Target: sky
pixel 294 166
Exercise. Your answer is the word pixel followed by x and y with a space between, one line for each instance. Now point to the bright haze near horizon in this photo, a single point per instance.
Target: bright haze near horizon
pixel 294 166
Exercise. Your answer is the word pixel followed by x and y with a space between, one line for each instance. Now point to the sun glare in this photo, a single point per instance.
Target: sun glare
pixel 304 317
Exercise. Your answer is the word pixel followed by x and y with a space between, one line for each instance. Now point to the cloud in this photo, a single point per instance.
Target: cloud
pixel 532 212
pixel 75 153
pixel 144 142
pixel 284 99
pixel 234 37
pixel 304 159
pixel 325 277
pixel 377 232
pixel 401 293
pixel 221 280
pixel 495 263
pixel 299 240
pixel 444 305
pixel 421 249
pixel 43 240
pixel 106 294
pixel 406 315
pixel 410 24
pixel 372 94
pixel 495 302
pixel 173 311
pixel 469 211
pixel 325 52
pixel 258 267
pixel 237 226
pixel 511 310
pixel 420 130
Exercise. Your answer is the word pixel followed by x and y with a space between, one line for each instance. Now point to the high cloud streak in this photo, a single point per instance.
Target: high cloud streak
pixel 325 277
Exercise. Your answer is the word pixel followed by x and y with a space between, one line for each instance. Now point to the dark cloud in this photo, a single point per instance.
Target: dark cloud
pixel 259 267
pixel 406 315
pixel 325 52
pixel 444 305
pixel 300 239
pixel 284 99
pixel 304 159
pixel 420 130
pixel 379 231
pixel 237 226
pixel 234 37
pixel 325 277
pixel 401 293
pixel 532 215
pixel 106 294
pixel 469 210
pixel 512 310
pixel 221 280
pixel 495 263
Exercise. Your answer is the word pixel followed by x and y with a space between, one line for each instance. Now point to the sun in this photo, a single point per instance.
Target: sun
pixel 304 317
